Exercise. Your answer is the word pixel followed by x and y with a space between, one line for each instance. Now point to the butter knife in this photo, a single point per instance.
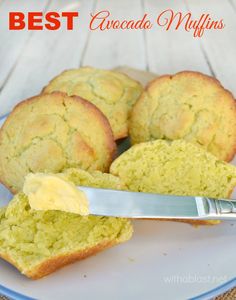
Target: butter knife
pixel 114 203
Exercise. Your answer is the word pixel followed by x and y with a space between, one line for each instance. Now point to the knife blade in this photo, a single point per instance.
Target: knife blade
pixel 137 205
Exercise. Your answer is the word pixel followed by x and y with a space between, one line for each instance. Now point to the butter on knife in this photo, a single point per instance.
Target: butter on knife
pixel 50 192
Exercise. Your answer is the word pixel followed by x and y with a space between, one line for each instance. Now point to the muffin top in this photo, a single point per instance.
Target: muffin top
pixel 50 133
pixel 190 106
pixel 112 92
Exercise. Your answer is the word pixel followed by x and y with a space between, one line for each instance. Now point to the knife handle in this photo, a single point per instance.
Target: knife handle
pixel 221 209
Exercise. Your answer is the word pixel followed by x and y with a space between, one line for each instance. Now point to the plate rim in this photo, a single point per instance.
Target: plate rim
pixel 4 116
pixel 206 295
pixel 219 290
pixel 13 294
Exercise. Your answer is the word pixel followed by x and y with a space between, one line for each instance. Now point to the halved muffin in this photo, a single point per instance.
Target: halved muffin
pixel 175 168
pixel 40 242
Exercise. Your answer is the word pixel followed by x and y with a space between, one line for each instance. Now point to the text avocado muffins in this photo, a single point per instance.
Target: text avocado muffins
pixel 112 92
pixel 51 133
pixel 190 106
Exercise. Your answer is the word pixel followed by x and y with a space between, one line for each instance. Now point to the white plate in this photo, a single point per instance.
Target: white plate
pixel 164 260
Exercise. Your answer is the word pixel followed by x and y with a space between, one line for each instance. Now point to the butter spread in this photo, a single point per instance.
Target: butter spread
pixel 50 192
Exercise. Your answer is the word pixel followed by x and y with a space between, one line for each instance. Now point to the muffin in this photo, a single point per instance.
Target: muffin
pixel 175 168
pixel 112 92
pixel 38 243
pixel 189 106
pixel 50 133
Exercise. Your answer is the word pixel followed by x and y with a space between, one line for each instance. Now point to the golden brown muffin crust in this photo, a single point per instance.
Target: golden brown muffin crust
pixel 114 93
pixel 51 132
pixel 51 265
pixel 187 105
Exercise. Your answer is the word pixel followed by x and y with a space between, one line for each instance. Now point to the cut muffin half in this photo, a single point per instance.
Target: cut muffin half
pixel 40 242
pixel 177 168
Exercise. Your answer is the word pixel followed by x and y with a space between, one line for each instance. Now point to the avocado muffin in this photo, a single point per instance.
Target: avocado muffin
pixel 50 133
pixel 40 242
pixel 176 168
pixel 112 92
pixel 190 106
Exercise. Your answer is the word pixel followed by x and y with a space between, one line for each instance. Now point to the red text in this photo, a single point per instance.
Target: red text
pixel 39 21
